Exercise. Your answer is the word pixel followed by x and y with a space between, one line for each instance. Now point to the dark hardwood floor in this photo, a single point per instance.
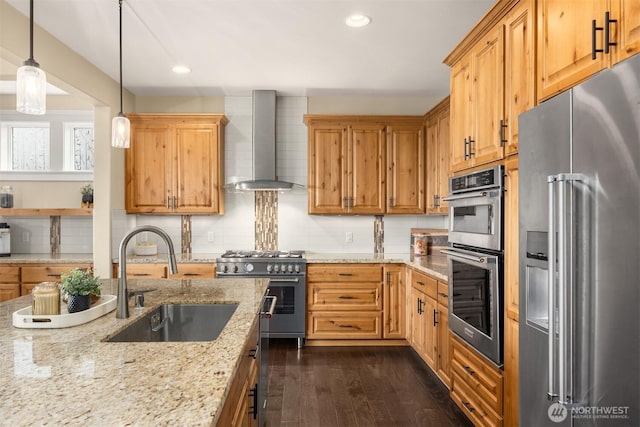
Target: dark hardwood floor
pixel 355 386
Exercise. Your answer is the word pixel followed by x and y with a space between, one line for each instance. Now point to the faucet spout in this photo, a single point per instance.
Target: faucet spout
pixel 122 308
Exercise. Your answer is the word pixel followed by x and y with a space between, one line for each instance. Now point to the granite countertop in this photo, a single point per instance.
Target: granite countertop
pixel 69 376
pixel 47 258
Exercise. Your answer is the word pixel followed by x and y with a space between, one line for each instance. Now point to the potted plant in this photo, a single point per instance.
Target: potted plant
pixel 87 195
pixel 79 285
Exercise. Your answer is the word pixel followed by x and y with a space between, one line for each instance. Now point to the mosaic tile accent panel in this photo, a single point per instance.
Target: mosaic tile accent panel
pixel 266 224
pixel 186 234
pixel 54 239
pixel 378 234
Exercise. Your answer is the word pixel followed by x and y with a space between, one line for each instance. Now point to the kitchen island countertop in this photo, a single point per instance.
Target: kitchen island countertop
pixel 70 376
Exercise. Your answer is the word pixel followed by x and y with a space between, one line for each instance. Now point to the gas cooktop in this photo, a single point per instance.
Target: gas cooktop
pixel 262 254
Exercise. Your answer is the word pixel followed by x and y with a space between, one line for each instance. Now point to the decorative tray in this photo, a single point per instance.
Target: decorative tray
pixel 24 319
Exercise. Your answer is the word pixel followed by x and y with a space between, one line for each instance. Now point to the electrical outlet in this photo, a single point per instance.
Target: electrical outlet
pixel 26 236
pixel 211 236
pixel 348 237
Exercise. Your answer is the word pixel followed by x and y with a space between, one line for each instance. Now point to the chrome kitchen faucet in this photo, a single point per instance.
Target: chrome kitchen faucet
pixel 122 309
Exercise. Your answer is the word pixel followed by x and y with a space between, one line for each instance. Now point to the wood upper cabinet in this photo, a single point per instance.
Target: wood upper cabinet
pixel 405 168
pixel 477 103
pixel 365 164
pixel 437 134
pixel 568 32
pixel 519 65
pixel 175 164
pixel 346 168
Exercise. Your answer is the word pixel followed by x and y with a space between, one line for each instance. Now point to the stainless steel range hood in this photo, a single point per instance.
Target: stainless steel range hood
pixel 264 146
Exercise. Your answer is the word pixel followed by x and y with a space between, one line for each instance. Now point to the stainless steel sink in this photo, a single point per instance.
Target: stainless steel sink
pixel 178 322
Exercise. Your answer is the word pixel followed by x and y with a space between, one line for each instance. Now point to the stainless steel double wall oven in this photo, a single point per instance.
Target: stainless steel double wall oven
pixel 475 255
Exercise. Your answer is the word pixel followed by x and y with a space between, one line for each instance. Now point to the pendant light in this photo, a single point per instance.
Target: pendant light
pixel 31 81
pixel 120 125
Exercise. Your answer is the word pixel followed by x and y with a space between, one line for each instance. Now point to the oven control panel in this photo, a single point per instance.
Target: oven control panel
pixel 488 178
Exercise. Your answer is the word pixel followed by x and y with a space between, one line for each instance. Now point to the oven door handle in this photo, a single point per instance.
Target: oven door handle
pixel 478 259
pixel 472 195
pixel 283 280
pixel 272 307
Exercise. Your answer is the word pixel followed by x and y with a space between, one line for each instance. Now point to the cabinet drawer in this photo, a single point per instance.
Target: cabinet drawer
pixel 443 294
pixel 9 291
pixel 341 296
pixel 480 377
pixel 49 273
pixel 194 271
pixel 144 271
pixel 477 411
pixel 344 325
pixel 424 283
pixel 344 273
pixel 10 274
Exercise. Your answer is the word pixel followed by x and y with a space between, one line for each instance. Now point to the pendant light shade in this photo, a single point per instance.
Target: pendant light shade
pixel 120 125
pixel 31 81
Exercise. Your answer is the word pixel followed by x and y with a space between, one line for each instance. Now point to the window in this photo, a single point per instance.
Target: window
pixel 26 147
pixel 78 146
pixel 57 146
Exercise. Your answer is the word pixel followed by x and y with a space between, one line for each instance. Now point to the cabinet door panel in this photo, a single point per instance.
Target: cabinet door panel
pixel 489 97
pixel 461 102
pixel 442 189
pixel 197 172
pixel 519 66
pixel 327 169
pixel 394 303
pixel 343 296
pixel 405 177
pixel 564 43
pixel 627 12
pixel 443 346
pixel 9 291
pixel 367 173
pixel 149 170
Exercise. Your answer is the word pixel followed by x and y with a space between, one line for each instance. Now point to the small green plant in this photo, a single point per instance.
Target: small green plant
pixel 87 190
pixel 79 282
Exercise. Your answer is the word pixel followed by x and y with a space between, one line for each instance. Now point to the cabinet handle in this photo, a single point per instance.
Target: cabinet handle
pixel 503 127
pixel 388 278
pixel 53 275
pixel 345 297
pixel 594 29
pixel 443 295
pixel 168 202
pixel 140 274
pixel 344 203
pixel 471 141
pixel 420 310
pixel 607 24
pixel 436 201
pixel 391 202
pixel 345 326
pixel 469 370
pixel 420 283
pixel 350 202
pixel 345 274
pixel 253 353
pixel 175 202
pixel 191 274
pixel 435 318
pixel 253 410
pixel 468 406
pixel 466 144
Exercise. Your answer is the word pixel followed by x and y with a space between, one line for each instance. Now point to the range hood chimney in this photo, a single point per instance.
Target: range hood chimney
pixel 264 145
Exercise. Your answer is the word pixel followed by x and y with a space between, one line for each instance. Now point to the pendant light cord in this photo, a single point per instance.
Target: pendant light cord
pixel 31 30
pixel 120 3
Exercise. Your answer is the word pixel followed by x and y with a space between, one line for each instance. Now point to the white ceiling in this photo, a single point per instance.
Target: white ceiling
pixel 297 47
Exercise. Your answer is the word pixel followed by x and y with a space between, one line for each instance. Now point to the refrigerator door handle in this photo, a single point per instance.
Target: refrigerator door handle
pixel 551 242
pixel 563 374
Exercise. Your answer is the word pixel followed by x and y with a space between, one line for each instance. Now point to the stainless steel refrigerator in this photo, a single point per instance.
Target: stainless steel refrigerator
pixel 579 161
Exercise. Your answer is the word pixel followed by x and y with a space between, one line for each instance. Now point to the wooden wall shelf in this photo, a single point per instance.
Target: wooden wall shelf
pixel 46 212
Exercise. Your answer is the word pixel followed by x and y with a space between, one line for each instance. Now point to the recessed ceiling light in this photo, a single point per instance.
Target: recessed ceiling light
pixel 357 20
pixel 181 69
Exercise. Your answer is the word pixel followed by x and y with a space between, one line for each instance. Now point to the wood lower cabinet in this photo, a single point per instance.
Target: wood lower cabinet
pixel 429 335
pixel 161 271
pixel 347 301
pixel 394 302
pixel 239 408
pixel 33 274
pixel 175 164
pixel 476 385
pixel 437 134
pixel 9 282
